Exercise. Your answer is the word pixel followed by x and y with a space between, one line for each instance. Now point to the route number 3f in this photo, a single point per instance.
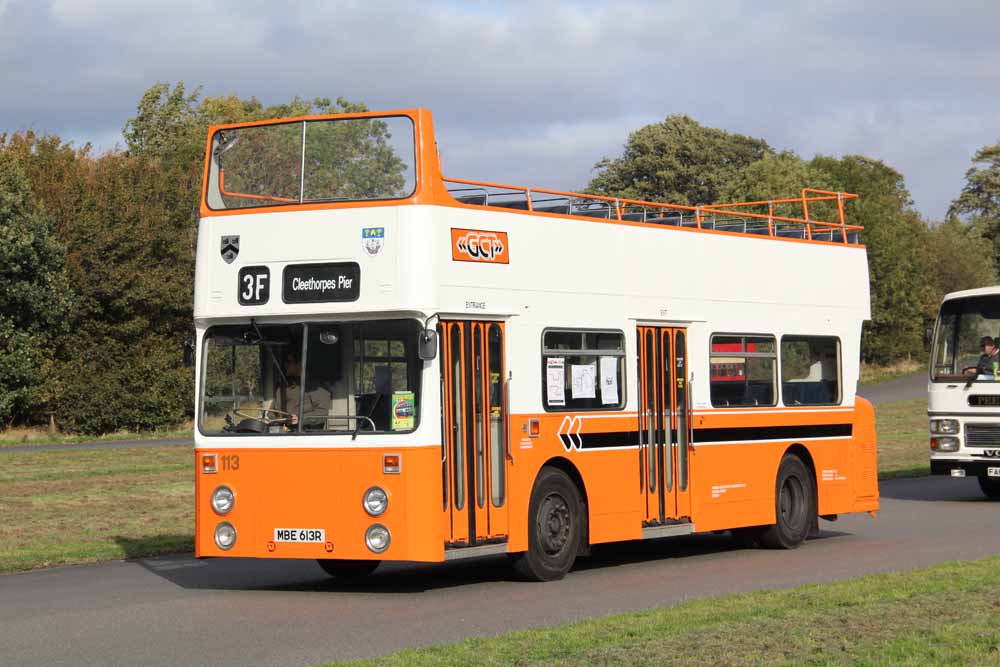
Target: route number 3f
pixel 254 285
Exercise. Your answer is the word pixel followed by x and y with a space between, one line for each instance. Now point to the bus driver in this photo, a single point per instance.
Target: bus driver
pixel 989 362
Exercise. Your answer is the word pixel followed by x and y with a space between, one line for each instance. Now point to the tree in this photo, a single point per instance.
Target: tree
pixel 979 201
pixel 954 257
pixel 781 176
pixel 893 233
pixel 677 161
pixel 34 295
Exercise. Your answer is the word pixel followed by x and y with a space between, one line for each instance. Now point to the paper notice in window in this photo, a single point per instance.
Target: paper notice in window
pixel 555 380
pixel 609 380
pixel 584 381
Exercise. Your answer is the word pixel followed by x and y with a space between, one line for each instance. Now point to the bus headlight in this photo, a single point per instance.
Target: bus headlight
pixel 944 426
pixel 223 499
pixel 377 538
pixel 376 501
pixel 225 536
pixel 944 444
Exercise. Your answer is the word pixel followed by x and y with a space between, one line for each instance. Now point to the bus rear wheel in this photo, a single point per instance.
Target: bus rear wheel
pixel 990 486
pixel 555 528
pixel 347 570
pixel 794 506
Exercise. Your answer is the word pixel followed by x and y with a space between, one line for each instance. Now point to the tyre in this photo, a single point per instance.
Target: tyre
pixel 348 569
pixel 556 521
pixel 794 506
pixel 990 486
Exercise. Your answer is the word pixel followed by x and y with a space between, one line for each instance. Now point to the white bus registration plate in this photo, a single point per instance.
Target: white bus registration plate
pixel 308 535
pixel 993 472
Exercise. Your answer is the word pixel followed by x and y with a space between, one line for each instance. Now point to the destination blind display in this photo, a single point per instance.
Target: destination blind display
pixel 321 283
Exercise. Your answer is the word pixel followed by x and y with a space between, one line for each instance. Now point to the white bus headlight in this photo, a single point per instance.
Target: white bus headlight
pixel 944 426
pixel 223 499
pixel 377 538
pixel 944 444
pixel 225 536
pixel 376 501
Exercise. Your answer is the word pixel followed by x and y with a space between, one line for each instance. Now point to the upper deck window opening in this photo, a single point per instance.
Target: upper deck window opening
pixel 583 370
pixel 309 162
pixel 743 370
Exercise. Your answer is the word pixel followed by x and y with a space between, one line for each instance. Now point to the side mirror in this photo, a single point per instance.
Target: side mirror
pixel 928 335
pixel 189 351
pixel 428 345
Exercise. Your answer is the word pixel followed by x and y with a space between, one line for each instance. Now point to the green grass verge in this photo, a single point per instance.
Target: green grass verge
pixel 874 374
pixel 901 428
pixel 944 615
pixel 77 506
pixel 30 437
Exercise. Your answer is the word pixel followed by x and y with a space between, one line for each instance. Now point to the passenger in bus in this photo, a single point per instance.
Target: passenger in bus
pixel 989 362
pixel 313 405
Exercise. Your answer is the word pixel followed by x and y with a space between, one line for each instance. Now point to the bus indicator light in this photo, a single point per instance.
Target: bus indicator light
pixel 391 464
pixel 534 428
pixel 209 463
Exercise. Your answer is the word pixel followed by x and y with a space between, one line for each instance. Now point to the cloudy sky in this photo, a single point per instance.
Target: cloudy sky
pixel 536 93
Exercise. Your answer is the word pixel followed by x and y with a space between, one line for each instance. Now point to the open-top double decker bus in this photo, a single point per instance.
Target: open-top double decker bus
pixel 392 365
pixel 963 398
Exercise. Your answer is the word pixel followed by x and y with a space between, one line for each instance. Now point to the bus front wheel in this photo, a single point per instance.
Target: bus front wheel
pixel 348 569
pixel 990 486
pixel 555 528
pixel 794 505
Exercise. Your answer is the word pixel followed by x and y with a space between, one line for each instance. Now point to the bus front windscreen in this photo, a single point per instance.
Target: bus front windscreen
pixel 961 326
pixel 306 162
pixel 342 378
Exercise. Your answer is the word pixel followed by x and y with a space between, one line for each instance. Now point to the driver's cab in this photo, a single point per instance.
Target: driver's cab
pixel 311 378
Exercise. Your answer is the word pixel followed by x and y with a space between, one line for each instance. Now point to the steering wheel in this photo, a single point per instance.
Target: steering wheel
pixel 264 415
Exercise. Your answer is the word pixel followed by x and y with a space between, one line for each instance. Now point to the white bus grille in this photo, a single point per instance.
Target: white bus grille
pixel 982 435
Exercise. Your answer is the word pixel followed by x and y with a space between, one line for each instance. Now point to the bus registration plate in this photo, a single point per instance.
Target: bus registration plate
pixel 993 472
pixel 308 535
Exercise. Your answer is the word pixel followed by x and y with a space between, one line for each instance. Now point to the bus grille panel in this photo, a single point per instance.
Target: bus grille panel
pixel 982 435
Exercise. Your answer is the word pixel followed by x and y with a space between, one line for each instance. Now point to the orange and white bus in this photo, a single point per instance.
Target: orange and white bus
pixel 394 365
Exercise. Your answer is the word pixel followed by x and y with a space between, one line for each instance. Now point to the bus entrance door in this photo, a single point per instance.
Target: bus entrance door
pixel 474 461
pixel 664 423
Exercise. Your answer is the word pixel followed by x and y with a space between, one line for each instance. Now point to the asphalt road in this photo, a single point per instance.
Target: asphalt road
pixel 175 610
pixel 905 388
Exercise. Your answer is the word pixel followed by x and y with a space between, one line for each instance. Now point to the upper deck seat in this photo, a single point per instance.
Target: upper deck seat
pixel 516 204
pixel 593 212
pixel 665 220
pixel 637 217
pixel 562 209
pixel 791 233
pixel 478 200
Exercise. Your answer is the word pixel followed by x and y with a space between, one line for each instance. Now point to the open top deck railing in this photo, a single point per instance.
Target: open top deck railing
pixel 755 217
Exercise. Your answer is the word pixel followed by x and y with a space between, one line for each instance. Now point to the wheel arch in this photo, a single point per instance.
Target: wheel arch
pixel 566 466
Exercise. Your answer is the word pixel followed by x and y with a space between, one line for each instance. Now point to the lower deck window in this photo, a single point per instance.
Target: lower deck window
pixel 583 370
pixel 743 370
pixel 810 370
pixel 311 378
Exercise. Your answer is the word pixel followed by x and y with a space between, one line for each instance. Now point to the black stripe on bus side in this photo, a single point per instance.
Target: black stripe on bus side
pixel 703 435
pixel 739 434
pixel 609 439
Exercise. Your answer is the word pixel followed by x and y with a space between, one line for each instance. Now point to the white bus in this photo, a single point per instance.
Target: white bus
pixel 394 365
pixel 963 394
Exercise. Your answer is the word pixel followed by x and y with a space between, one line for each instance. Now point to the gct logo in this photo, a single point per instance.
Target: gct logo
pixel 471 245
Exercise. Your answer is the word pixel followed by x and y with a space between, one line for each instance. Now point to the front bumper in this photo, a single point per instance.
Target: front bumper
pixel 971 468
